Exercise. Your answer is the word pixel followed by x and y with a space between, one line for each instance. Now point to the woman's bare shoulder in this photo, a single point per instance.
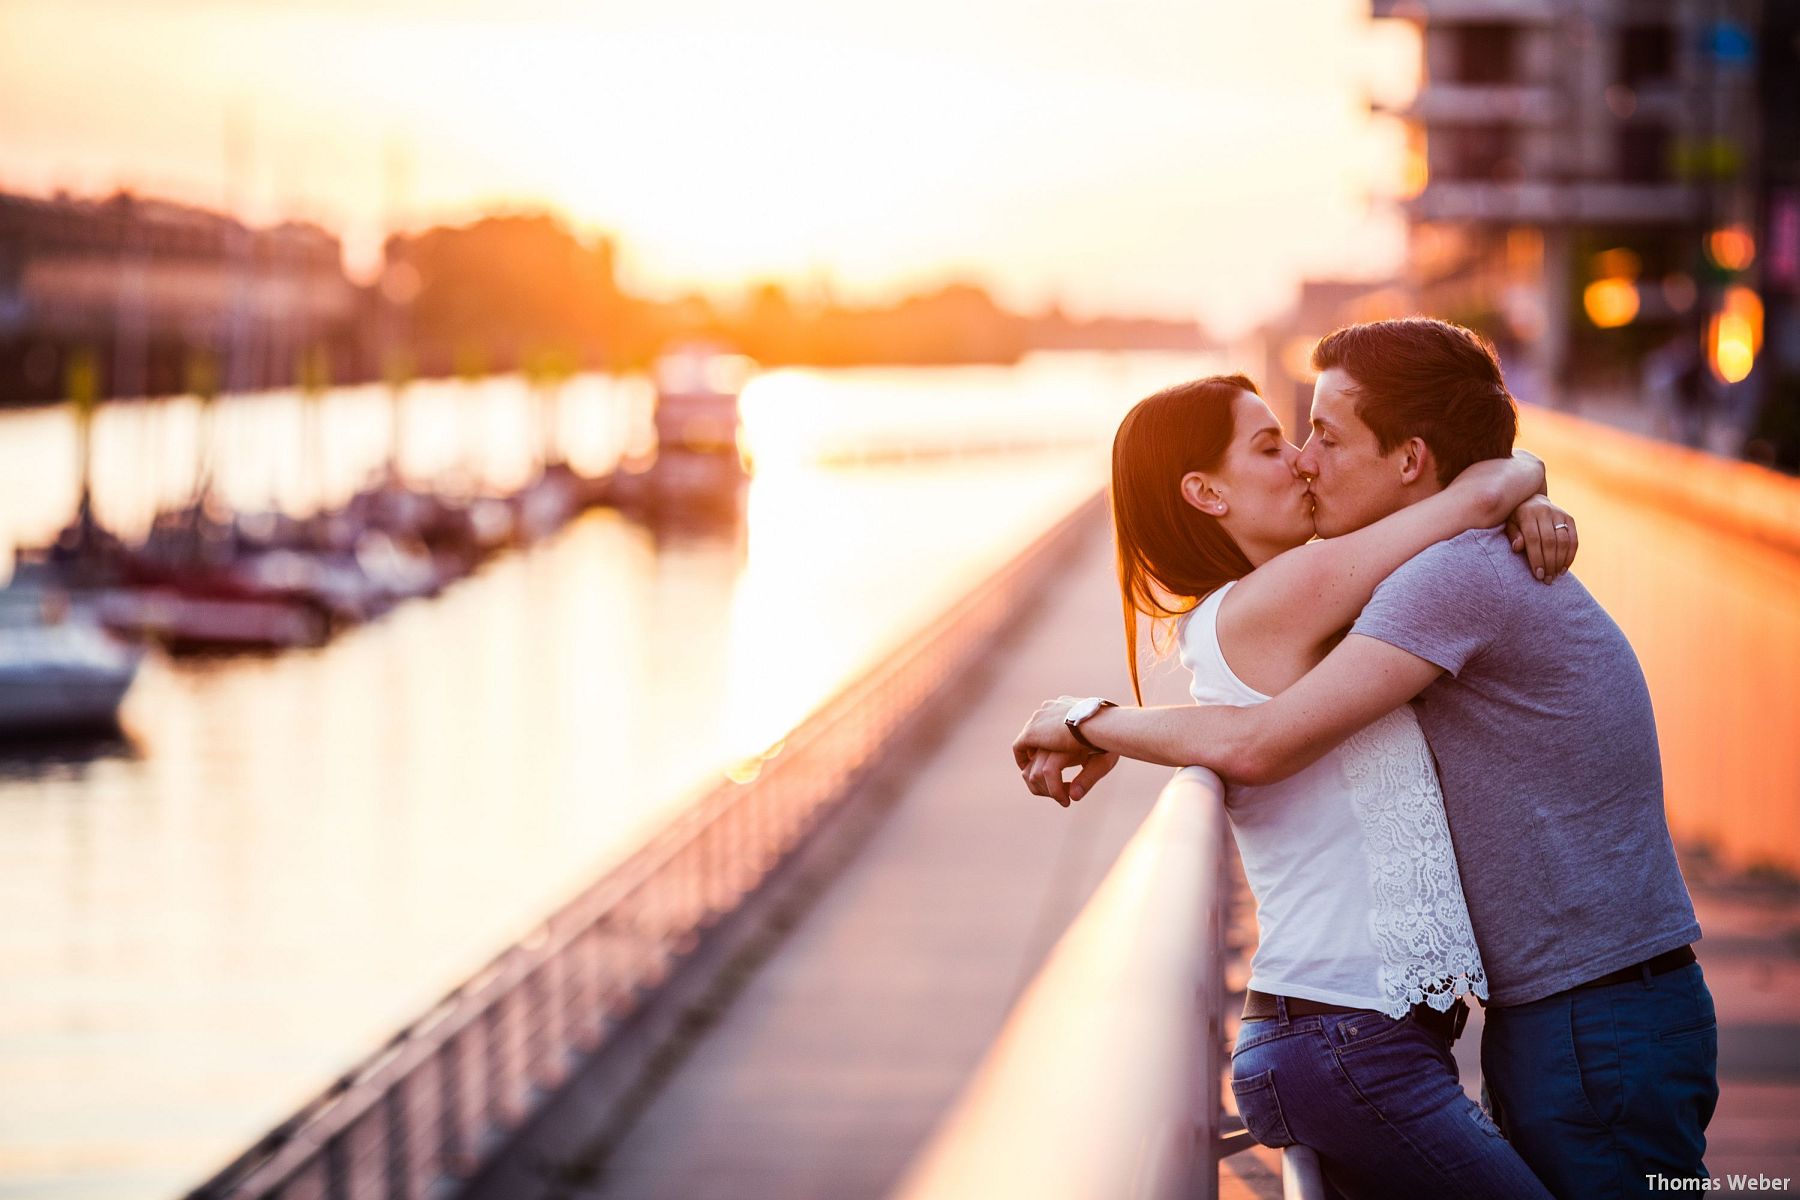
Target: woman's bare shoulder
pixel 1259 636
pixel 1270 593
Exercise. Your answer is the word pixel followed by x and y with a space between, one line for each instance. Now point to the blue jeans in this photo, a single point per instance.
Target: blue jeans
pixel 1602 1086
pixel 1380 1102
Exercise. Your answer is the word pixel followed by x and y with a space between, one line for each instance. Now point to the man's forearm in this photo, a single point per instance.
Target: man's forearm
pixel 1232 741
pixel 1263 743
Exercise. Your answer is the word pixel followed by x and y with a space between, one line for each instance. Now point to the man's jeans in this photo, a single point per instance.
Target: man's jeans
pixel 1601 1087
pixel 1380 1102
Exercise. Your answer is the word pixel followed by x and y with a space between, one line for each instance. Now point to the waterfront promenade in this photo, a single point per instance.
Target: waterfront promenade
pixel 829 1069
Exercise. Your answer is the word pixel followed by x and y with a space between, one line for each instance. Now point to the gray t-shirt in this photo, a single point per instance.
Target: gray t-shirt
pixel 1546 747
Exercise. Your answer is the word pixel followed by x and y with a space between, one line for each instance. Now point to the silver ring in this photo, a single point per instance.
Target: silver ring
pixel 1559 527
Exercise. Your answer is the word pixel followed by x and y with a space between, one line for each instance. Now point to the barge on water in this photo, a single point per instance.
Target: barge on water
pixel 701 458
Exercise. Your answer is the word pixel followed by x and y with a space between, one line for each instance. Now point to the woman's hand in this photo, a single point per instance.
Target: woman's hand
pixel 1043 774
pixel 1046 731
pixel 1545 534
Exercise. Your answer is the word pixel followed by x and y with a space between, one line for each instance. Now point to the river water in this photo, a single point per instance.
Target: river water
pixel 287 858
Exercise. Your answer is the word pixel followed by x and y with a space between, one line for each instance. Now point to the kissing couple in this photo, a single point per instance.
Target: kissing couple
pixel 1441 771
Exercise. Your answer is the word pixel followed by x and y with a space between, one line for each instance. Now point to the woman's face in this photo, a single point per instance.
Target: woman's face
pixel 1266 506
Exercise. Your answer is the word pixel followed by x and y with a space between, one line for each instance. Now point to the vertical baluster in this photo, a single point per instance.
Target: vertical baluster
pixel 609 971
pixel 398 1156
pixel 423 1114
pixel 452 1151
pixel 560 1006
pixel 366 1155
pixel 337 1183
pixel 493 1070
pixel 528 1030
pixel 504 1074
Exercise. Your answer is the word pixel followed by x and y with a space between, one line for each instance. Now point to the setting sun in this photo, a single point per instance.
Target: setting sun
pixel 1075 154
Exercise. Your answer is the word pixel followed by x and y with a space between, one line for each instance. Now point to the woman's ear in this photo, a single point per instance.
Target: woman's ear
pixel 1203 494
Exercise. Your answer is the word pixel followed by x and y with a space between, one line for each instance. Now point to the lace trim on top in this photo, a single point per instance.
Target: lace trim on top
pixel 1419 919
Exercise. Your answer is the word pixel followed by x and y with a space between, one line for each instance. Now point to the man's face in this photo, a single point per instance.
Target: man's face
pixel 1353 482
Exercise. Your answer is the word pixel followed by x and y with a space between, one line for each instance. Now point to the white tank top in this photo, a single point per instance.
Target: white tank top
pixel 1358 900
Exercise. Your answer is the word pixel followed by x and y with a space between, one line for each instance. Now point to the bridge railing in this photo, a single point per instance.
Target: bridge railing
pixel 1106 1080
pixel 447 1092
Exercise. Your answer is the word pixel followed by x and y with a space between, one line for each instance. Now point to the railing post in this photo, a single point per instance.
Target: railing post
pixel 1301 1178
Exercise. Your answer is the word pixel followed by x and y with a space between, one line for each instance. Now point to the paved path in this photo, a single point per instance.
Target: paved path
pixel 1750 952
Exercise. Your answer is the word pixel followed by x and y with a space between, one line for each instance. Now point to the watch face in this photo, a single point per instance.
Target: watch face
pixel 1084 709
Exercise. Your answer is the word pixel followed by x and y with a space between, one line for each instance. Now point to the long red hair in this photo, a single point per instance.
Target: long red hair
pixel 1170 553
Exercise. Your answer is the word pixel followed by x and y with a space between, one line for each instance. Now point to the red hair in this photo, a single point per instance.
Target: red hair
pixel 1170 553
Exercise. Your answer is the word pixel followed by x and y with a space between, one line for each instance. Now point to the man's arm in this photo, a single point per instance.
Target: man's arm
pixel 1358 682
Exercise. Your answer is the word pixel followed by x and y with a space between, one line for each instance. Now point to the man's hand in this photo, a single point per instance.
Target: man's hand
pixel 1046 731
pixel 1043 773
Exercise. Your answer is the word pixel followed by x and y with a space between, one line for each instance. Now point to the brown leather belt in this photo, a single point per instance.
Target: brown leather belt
pixel 1261 1006
pixel 1662 964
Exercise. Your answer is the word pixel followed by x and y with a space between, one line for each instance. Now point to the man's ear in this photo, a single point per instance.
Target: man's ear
pixel 1203 494
pixel 1416 461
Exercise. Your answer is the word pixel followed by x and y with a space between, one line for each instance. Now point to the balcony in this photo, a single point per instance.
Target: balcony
pixel 1524 12
pixel 1534 203
pixel 1483 104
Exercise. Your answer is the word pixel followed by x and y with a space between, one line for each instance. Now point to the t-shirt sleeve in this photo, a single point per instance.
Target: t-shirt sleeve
pixel 1445 605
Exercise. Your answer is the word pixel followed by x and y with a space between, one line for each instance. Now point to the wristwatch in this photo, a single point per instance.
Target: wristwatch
pixel 1081 712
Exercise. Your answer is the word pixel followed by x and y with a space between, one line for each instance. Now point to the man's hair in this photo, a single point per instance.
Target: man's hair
pixel 1429 379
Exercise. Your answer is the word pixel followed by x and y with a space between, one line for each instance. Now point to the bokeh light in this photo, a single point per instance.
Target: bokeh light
pixel 1610 303
pixel 1734 336
pixel 1731 248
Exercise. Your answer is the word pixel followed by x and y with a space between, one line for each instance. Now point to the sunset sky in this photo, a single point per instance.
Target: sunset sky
pixel 1178 157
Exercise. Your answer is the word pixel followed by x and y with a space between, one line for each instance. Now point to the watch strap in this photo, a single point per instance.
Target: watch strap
pixel 1075 726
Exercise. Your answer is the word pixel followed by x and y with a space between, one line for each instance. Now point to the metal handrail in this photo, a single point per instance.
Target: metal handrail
pixel 1301 1178
pixel 1105 1080
pixel 445 1094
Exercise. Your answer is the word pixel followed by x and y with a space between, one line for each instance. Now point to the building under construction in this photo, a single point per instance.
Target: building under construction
pixel 1610 189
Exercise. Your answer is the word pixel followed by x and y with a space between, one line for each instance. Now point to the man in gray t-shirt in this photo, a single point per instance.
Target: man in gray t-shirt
pixel 1546 748
pixel 1600 1046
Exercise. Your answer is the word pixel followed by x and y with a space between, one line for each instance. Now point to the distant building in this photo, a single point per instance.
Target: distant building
pixel 1591 183
pixel 153 291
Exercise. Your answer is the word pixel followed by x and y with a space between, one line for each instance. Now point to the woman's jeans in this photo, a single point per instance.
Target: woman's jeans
pixel 1601 1087
pixel 1380 1102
